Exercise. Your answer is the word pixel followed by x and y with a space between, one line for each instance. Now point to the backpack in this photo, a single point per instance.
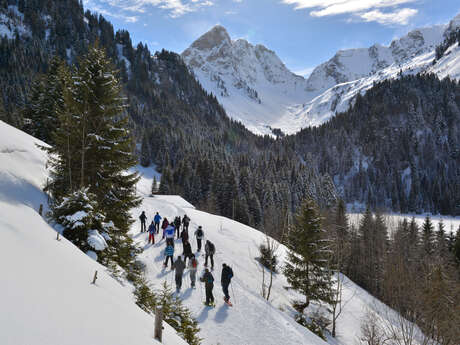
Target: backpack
pixel 212 249
pixel 194 263
pixel 199 233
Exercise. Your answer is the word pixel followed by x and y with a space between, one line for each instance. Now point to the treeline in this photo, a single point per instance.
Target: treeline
pixel 413 269
pixel 397 147
pixel 451 39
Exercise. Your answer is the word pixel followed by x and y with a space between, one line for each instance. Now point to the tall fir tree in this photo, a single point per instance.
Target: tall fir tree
pixel 46 102
pixel 309 254
pixel 427 238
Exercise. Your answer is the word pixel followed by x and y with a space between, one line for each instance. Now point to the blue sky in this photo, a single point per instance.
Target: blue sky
pixel 304 33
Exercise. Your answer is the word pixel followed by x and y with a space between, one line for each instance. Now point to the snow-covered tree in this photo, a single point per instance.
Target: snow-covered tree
pixel 81 222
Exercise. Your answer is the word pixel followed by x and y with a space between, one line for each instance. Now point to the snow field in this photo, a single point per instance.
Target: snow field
pixel 46 295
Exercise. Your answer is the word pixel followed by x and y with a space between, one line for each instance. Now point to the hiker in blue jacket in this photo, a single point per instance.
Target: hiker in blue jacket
pixel 157 220
pixel 169 253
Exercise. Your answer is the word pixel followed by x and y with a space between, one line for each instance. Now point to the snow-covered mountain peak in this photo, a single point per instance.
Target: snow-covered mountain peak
pixel 453 25
pixel 215 37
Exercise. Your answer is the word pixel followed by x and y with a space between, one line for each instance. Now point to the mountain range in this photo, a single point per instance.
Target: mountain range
pixel 255 87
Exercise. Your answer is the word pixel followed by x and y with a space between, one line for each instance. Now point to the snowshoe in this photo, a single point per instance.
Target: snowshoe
pixel 228 302
pixel 211 305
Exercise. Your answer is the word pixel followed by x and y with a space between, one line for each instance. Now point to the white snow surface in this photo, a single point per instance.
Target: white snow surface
pixel 252 320
pixel 256 88
pixel 46 297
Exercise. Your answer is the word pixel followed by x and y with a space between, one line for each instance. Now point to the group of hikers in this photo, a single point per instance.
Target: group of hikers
pixel 172 229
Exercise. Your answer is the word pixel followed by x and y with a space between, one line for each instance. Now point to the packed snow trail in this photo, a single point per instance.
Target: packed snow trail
pixel 46 297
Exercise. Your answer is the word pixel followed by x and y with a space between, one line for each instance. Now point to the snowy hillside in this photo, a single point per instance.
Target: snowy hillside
pixel 252 320
pixel 46 297
pixel 256 88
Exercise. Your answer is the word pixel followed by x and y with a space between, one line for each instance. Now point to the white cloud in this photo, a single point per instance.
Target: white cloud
pixel 401 16
pixel 367 10
pixel 305 72
pixel 175 8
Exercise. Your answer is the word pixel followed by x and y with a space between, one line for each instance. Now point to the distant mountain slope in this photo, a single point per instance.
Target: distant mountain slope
pixel 251 82
pixel 242 79
pixel 46 295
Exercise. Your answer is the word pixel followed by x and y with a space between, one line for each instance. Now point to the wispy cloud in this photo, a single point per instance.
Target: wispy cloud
pixel 174 8
pixel 305 72
pixel 367 10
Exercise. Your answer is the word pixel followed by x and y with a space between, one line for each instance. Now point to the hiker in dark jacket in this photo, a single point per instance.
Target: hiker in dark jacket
pixel 164 225
pixel 209 250
pixel 179 266
pixel 185 222
pixel 157 220
pixel 143 219
pixel 169 253
pixel 177 224
pixel 208 280
pixel 187 251
pixel 225 278
pixel 152 233
pixel 199 234
pixel 184 235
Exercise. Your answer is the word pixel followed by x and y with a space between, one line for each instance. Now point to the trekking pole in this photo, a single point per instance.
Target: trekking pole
pixel 233 293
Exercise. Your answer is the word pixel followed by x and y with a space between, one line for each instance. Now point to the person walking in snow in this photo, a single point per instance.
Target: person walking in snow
pixel 185 222
pixel 208 281
pixel 187 251
pixel 226 277
pixel 209 250
pixel 177 224
pixel 164 225
pixel 169 253
pixel 169 234
pixel 199 234
pixel 143 219
pixel 193 267
pixel 157 220
pixel 152 233
pixel 184 236
pixel 179 266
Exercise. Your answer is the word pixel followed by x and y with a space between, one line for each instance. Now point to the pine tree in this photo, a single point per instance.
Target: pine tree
pixel 309 253
pixel 82 224
pixel 46 102
pixel 427 238
pixel 145 152
pixel 154 188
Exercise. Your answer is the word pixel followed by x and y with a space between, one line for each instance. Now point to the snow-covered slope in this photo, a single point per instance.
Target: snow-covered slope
pixel 256 88
pixel 252 320
pixel 45 293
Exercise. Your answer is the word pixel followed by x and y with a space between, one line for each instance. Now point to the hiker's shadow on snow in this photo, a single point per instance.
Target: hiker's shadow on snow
pixel 221 314
pixel 187 293
pixel 203 315
pixel 159 258
pixel 163 273
pixel 138 234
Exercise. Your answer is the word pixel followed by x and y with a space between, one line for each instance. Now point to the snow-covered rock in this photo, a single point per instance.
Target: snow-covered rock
pixel 256 88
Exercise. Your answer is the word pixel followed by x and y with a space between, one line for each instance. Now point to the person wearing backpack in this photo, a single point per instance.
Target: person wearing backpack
pixel 177 224
pixel 208 281
pixel 169 253
pixel 209 250
pixel 185 222
pixel 199 234
pixel 226 277
pixel 157 220
pixel 179 267
pixel 152 233
pixel 169 234
pixel 143 219
pixel 187 251
pixel 193 266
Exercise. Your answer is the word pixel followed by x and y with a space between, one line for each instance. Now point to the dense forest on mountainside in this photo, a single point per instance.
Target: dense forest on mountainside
pixel 211 160
pixel 398 147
